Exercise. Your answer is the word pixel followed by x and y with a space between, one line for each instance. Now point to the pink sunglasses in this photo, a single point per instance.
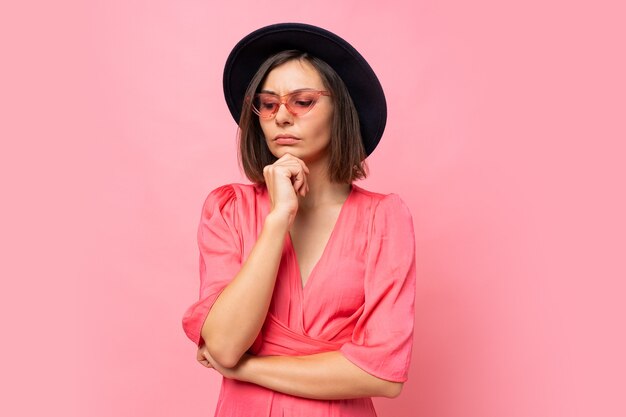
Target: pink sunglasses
pixel 298 103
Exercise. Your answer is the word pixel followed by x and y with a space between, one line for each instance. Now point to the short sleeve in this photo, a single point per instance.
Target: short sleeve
pixel 382 340
pixel 220 255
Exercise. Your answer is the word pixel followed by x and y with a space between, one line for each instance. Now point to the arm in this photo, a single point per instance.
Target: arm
pixel 322 376
pixel 236 317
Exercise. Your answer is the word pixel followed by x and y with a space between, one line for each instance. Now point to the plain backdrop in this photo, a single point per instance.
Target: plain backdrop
pixel 505 136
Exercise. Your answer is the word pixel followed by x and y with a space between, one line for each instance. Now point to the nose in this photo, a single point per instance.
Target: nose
pixel 283 116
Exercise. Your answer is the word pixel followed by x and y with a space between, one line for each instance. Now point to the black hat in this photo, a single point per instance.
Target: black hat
pixel 363 85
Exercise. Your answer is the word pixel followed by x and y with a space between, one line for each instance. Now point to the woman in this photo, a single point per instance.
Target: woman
pixel 307 280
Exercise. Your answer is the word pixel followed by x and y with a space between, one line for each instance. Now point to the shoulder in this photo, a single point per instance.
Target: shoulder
pixel 218 198
pixel 231 193
pixel 384 202
pixel 391 231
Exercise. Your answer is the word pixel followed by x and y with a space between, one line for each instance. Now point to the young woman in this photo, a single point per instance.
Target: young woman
pixel 307 281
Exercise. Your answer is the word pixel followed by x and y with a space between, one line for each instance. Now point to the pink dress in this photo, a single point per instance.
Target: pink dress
pixel 359 298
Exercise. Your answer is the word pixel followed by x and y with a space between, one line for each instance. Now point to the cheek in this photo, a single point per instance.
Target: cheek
pixel 320 126
pixel 265 129
pixel 324 127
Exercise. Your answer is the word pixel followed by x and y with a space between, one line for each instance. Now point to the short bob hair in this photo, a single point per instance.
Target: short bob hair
pixel 347 155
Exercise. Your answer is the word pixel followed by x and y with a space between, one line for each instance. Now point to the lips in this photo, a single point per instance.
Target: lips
pixel 286 139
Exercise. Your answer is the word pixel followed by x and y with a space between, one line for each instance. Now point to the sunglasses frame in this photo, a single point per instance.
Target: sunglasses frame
pixel 284 99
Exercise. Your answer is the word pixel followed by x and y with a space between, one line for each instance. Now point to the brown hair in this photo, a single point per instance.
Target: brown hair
pixel 346 161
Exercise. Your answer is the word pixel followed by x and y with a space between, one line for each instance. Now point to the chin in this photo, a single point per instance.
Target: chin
pixel 307 157
pixel 286 149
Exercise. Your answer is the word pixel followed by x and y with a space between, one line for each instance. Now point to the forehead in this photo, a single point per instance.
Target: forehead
pixel 292 75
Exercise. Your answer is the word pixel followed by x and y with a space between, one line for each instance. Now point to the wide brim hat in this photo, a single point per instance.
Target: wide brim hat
pixel 361 81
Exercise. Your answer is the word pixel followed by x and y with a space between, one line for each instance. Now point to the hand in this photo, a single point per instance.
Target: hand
pixel 284 178
pixel 238 372
pixel 204 357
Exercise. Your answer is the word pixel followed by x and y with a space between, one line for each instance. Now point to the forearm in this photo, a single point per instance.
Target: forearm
pixel 236 317
pixel 323 376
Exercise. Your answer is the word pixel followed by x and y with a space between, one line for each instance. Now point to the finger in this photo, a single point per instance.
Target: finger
pixel 205 361
pixel 301 162
pixel 306 168
pixel 305 185
pixel 295 174
pixel 290 167
pixel 305 171
pixel 299 181
pixel 203 356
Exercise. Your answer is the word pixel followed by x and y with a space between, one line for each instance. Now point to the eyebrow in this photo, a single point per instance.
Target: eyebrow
pixel 293 91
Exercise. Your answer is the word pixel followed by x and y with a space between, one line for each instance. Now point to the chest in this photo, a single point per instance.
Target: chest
pixel 311 235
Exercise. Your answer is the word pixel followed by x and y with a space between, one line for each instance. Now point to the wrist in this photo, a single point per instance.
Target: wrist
pixel 247 368
pixel 277 222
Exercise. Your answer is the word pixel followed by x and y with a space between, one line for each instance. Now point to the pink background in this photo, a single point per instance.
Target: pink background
pixel 505 136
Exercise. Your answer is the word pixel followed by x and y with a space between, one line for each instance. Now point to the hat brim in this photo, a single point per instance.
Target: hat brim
pixel 359 78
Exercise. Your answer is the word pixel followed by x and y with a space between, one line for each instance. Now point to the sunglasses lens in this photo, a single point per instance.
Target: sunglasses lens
pixel 265 104
pixel 301 103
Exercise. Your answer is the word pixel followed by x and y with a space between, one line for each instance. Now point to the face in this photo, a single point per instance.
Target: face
pixel 311 131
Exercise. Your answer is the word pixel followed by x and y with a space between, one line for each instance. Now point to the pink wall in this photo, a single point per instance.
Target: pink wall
pixel 505 136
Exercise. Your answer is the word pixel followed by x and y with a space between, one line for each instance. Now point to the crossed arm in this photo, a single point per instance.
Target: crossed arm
pixel 327 375
pixel 322 376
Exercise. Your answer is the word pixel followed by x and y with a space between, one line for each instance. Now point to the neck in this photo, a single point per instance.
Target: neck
pixel 321 190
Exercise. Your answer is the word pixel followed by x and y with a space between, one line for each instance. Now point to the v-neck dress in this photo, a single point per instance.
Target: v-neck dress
pixel 358 299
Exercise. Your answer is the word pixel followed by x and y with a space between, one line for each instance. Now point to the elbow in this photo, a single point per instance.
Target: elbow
pixel 393 389
pixel 223 356
pixel 228 360
pixel 222 353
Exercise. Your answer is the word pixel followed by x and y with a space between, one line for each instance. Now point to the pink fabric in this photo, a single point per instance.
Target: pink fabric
pixel 359 298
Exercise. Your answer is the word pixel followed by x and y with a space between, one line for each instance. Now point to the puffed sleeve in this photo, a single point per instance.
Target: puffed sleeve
pixel 382 340
pixel 220 255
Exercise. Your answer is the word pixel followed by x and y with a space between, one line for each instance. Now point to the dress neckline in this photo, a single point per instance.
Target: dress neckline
pixel 336 226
